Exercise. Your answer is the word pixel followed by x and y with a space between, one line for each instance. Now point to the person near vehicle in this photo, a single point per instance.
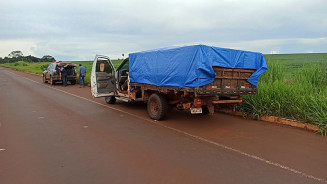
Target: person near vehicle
pixel 64 72
pixel 82 74
pixel 58 70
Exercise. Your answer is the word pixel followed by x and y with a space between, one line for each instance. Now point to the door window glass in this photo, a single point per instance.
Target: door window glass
pixel 103 66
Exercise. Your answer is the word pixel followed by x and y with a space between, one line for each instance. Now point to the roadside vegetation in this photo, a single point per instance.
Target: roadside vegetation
pixel 31 67
pixel 294 87
pixel 294 91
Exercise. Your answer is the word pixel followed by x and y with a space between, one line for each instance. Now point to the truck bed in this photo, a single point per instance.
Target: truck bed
pixel 227 82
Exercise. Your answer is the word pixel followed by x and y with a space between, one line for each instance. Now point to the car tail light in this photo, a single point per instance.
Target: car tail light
pixel 197 102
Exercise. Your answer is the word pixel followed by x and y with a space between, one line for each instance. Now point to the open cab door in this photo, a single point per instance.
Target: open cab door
pixel 103 77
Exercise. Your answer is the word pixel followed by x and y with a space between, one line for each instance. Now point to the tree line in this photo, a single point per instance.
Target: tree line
pixel 29 59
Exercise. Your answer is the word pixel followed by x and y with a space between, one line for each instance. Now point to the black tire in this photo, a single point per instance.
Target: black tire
pixel 110 99
pixel 73 82
pixel 205 110
pixel 157 107
pixel 52 82
pixel 44 80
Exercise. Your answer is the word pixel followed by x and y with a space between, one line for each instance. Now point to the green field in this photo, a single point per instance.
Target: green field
pixel 294 87
pixel 297 58
pixel 293 62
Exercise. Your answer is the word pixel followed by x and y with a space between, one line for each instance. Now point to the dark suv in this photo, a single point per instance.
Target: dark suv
pixel 52 73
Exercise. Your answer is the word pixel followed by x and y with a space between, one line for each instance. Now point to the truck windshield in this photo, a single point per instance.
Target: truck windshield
pixel 125 66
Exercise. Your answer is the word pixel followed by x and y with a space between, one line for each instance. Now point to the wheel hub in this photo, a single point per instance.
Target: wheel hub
pixel 154 108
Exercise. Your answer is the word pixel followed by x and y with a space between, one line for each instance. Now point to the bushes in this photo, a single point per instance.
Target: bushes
pixel 43 66
pixel 21 63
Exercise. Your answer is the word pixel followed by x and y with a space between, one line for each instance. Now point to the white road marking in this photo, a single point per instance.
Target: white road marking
pixel 194 136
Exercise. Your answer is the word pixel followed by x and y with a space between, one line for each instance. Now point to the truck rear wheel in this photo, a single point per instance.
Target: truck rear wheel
pixel 157 107
pixel 205 110
pixel 110 99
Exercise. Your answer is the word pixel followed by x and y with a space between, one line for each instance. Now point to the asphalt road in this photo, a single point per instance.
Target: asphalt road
pixel 54 134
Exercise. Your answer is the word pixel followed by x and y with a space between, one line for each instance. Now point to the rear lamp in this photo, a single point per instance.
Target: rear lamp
pixel 198 102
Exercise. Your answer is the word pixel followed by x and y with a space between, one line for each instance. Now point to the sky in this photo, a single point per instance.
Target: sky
pixel 77 30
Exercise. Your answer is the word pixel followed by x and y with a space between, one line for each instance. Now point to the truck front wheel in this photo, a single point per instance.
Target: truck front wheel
pixel 110 99
pixel 157 107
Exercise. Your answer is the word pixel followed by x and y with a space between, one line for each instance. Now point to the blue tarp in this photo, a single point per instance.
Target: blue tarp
pixel 190 66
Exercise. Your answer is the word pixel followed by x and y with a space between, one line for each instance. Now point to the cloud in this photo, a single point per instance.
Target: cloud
pixel 6 46
pixel 76 30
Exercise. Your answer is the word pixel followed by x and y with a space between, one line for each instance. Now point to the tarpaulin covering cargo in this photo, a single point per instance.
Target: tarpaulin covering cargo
pixel 190 66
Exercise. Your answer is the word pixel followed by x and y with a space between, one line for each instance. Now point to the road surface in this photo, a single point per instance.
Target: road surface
pixel 54 134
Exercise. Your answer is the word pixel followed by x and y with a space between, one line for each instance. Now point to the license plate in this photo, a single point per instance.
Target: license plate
pixel 196 110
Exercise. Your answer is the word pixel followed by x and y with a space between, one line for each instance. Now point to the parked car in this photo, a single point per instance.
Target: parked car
pixel 52 73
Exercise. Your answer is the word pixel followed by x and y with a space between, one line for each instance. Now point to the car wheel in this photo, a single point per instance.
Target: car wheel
pixel 157 107
pixel 52 82
pixel 110 99
pixel 73 82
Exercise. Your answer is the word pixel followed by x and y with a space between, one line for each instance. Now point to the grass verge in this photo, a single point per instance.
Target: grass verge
pixel 301 96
